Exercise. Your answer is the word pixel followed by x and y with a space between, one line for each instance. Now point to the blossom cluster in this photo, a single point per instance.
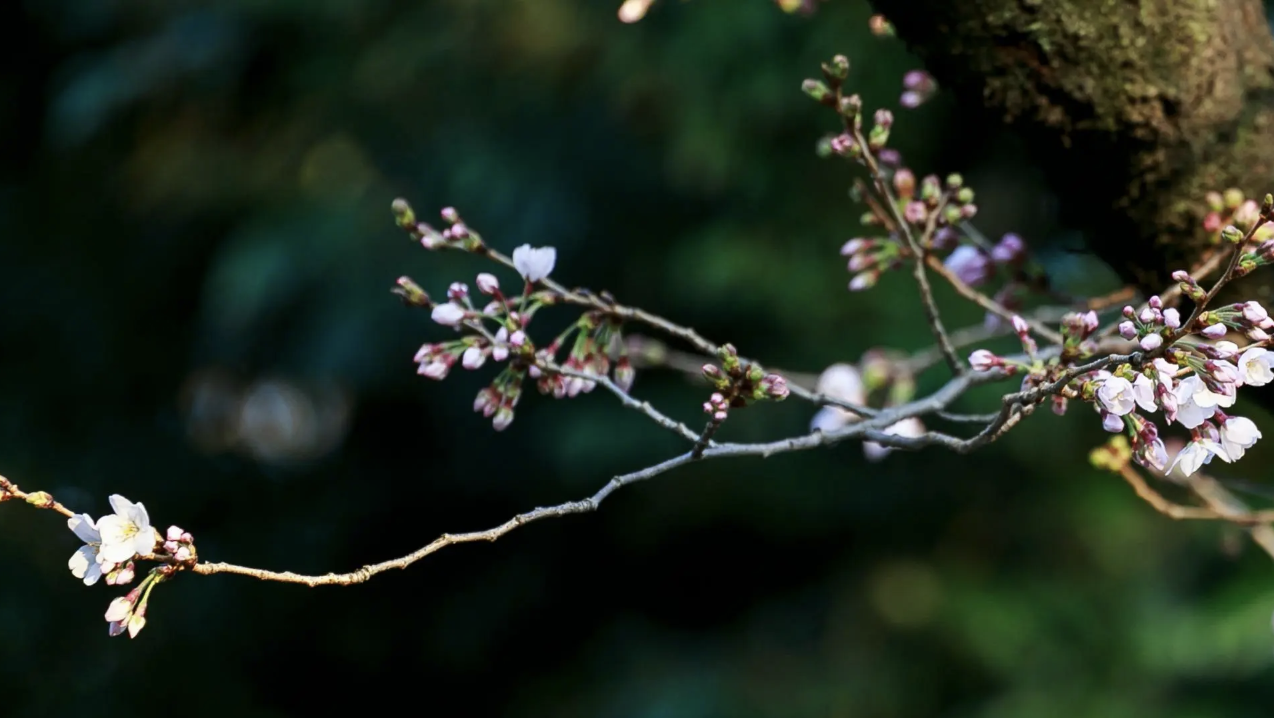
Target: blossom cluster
pixel 111 546
pixel 498 331
pixel 739 383
pixel 1232 209
pixel 1189 373
pixel 930 214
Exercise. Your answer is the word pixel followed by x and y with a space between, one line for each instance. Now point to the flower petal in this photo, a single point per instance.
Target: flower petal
pixel 120 505
pixel 83 565
pixel 144 542
pixel 139 516
pixel 82 525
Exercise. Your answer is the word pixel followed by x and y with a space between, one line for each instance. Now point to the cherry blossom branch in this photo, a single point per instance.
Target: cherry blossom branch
pixel 626 400
pixel 986 302
pixel 605 303
pixel 884 120
pixel 870 428
pixel 1221 505
pixel 38 499
pixel 1178 369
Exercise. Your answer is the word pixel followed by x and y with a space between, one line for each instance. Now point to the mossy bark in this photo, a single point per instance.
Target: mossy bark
pixel 1135 109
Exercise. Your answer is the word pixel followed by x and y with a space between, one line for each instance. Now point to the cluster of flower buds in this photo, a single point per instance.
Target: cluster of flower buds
pixel 917 87
pixel 1152 325
pixel 739 383
pixel 128 612
pixel 1188 373
pixel 1076 329
pixel 456 234
pixel 179 545
pixel 597 337
pixel 1231 214
pixel 932 212
pixel 110 546
pixel 973 266
pixel 933 204
pixel 498 331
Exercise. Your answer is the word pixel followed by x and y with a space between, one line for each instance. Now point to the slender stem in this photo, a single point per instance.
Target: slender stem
pixel 917 251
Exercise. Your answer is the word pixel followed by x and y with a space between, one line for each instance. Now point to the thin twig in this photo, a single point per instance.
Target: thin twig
pixel 986 302
pixel 917 251
pixel 9 491
pixel 625 399
pixel 872 427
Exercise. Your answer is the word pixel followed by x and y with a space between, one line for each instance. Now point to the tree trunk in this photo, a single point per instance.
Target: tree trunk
pixel 1135 109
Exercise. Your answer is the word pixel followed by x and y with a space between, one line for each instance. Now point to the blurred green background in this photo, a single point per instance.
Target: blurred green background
pixel 195 261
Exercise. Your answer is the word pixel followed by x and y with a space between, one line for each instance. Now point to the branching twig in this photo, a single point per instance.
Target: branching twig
pixel 626 399
pixel 917 251
pixel 986 302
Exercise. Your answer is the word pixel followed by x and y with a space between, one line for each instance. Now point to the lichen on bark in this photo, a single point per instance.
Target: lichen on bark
pixel 1134 109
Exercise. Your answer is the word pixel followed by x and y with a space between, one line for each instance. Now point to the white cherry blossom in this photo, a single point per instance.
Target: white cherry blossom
pixel 534 263
pixel 125 533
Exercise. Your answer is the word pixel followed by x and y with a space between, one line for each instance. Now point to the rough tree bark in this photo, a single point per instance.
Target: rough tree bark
pixel 1134 108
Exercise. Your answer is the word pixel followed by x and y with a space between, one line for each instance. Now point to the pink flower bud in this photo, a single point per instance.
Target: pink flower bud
pixel 1151 342
pixel 487 283
pixel 969 265
pixel 1059 404
pixel 865 280
pixel 125 575
pixel 487 401
pixel 436 369
pixel 122 606
pixel 983 360
pixel 1215 331
pixel 1019 325
pixel 1009 249
pixel 775 387
pixel 1090 322
pixel 862 260
pixel 473 358
pixel 853 246
pixel 517 339
pixel 1255 313
pixel 905 183
pixel 457 291
pixel 915 212
pixel 624 374
pixel 1147 315
pixel 171 547
pixel 449 314
pixel 503 417
pixel 1111 422
pixel 1222 370
pixel 174 533
pixel 1172 318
